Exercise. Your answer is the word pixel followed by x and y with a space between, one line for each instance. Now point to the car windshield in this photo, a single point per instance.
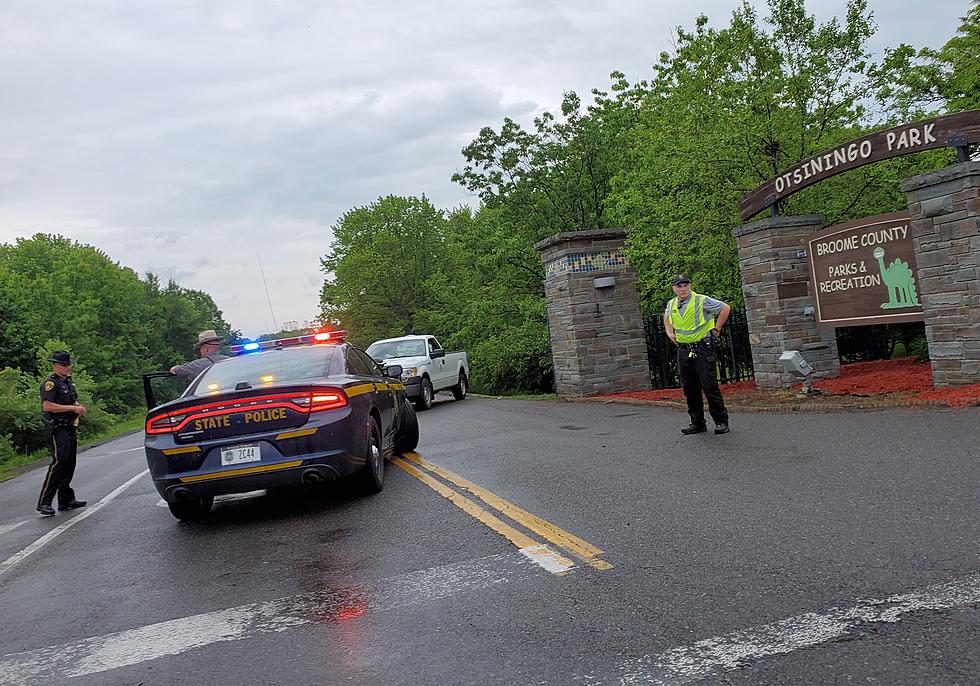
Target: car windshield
pixel 272 366
pixel 387 350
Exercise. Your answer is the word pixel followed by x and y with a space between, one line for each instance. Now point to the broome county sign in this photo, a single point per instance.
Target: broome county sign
pixel 863 272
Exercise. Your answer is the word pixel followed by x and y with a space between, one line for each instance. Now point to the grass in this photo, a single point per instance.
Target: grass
pixel 12 467
pixel 519 396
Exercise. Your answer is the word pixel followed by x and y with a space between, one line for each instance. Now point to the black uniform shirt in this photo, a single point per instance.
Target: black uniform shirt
pixel 61 391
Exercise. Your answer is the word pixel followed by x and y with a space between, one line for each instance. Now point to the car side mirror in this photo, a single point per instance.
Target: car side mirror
pixel 394 371
pixel 438 352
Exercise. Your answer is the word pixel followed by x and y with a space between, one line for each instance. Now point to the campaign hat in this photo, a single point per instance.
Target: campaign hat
pixel 209 336
pixel 61 357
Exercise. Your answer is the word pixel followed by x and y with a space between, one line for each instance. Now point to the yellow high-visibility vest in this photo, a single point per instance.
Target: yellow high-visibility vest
pixel 692 326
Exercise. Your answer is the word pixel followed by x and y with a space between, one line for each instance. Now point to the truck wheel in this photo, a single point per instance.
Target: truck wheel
pixel 372 476
pixel 459 390
pixel 424 401
pixel 407 437
pixel 193 509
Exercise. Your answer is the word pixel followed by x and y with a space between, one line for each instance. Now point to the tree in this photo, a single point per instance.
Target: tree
pixel 928 80
pixel 379 265
pixel 726 111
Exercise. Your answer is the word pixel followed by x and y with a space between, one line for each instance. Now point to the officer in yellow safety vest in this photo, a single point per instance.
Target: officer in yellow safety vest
pixel 693 322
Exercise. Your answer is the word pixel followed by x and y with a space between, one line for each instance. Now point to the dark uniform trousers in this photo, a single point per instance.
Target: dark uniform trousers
pixel 62 444
pixel 697 374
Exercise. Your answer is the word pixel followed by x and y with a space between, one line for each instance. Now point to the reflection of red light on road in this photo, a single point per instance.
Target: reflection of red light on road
pixel 350 613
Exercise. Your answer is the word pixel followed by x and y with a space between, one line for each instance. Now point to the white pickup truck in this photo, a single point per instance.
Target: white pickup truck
pixel 428 368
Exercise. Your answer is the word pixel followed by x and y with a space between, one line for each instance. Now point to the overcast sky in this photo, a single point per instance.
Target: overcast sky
pixel 188 137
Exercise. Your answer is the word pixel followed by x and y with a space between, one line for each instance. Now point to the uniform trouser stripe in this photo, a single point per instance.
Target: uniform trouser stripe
pixel 52 468
pixel 61 470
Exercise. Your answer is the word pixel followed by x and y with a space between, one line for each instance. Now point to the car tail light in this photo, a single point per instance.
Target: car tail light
pixel 314 400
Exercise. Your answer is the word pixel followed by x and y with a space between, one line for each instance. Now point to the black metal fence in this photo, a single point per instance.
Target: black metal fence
pixel 880 341
pixel 734 352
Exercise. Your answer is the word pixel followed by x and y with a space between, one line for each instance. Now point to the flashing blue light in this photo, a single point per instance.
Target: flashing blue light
pixel 250 346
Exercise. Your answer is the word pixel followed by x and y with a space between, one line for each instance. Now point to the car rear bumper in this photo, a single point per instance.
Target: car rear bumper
pixel 253 477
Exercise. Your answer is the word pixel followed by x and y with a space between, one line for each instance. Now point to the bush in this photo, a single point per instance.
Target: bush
pixel 919 347
pixel 7 450
pixel 20 411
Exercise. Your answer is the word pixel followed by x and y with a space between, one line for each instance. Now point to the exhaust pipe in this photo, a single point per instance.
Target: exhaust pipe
pixel 182 494
pixel 311 476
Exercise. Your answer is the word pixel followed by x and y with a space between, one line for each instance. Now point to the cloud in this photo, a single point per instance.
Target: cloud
pixel 189 138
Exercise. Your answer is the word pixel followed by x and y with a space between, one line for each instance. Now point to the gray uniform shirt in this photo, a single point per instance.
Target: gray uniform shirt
pixel 195 367
pixel 711 306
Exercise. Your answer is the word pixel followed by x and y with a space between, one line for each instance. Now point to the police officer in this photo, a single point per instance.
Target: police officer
pixel 208 344
pixel 62 411
pixel 694 322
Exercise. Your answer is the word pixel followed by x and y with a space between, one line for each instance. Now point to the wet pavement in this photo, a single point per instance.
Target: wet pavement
pixel 526 543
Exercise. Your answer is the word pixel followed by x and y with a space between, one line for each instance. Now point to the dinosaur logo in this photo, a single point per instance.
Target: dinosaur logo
pixel 900 281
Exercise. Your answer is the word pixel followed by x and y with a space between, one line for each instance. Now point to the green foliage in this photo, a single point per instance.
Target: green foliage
pixel 667 158
pixel 59 294
pixel 924 81
pixel 379 265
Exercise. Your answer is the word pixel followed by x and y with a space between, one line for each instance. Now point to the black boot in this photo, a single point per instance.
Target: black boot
pixel 722 428
pixel 694 429
pixel 72 505
pixel 45 510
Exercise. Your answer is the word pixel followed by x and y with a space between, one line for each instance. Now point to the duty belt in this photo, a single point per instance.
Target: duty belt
pixel 704 342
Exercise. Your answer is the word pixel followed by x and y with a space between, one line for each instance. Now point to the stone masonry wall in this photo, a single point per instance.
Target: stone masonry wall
pixel 597 338
pixel 945 213
pixel 776 286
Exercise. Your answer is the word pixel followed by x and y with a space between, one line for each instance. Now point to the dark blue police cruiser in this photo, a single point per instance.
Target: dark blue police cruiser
pixel 299 410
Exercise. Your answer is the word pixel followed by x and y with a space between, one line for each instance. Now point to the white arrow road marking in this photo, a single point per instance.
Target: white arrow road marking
pixel 62 528
pixel 133 646
pixel 4 528
pixel 728 652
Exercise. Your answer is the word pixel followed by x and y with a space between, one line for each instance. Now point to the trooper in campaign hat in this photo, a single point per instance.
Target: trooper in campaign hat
pixel 61 413
pixel 208 344
pixel 694 322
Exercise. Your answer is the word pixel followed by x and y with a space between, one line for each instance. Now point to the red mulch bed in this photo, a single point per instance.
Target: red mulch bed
pixel 901 379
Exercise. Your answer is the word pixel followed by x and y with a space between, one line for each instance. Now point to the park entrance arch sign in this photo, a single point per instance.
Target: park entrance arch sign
pixel 800 279
pixel 959 130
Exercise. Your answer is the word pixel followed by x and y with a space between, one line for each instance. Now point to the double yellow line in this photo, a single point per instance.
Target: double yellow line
pixel 414 464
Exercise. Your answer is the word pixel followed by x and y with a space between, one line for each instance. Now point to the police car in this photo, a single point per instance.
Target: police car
pixel 298 410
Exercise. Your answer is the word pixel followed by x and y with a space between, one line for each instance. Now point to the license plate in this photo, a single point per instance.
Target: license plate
pixel 239 454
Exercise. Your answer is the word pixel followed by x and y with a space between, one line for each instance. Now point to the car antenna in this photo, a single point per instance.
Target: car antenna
pixel 267 296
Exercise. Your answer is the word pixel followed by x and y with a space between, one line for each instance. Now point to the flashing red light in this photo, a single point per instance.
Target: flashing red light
pixel 330 336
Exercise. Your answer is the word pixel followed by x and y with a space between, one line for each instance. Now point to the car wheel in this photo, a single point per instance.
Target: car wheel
pixel 424 401
pixel 407 437
pixel 373 474
pixel 193 509
pixel 459 390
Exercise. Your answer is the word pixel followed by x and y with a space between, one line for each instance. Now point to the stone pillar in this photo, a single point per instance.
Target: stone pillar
pixel 778 305
pixel 945 210
pixel 597 338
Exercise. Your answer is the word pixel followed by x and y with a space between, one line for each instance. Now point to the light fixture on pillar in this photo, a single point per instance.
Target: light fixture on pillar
pixel 794 363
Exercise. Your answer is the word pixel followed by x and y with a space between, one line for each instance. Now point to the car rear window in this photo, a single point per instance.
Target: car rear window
pixel 272 366
pixel 391 349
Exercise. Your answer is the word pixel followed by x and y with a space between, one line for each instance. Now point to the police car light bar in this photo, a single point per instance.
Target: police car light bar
pixel 321 337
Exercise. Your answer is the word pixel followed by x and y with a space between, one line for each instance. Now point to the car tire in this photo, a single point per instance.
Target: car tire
pixel 407 437
pixel 372 476
pixel 424 401
pixel 192 510
pixel 459 390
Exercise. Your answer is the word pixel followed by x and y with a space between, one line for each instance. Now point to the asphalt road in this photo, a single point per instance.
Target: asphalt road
pixel 526 543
